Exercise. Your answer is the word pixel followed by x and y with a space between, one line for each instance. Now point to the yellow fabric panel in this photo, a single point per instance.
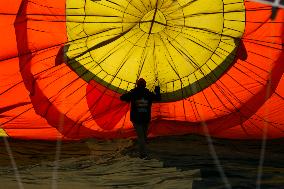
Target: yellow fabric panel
pixel 3 133
pixel 170 43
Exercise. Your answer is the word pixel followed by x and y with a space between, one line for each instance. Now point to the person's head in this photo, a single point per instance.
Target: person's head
pixel 141 83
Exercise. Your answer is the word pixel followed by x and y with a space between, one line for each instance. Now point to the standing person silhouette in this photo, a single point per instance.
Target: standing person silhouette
pixel 140 112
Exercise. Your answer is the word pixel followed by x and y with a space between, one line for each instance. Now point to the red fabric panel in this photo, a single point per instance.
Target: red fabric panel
pixel 106 107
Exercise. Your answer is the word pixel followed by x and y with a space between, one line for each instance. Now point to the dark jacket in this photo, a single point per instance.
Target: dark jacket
pixel 141 101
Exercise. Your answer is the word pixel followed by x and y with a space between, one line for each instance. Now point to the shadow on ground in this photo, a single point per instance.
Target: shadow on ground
pixel 174 162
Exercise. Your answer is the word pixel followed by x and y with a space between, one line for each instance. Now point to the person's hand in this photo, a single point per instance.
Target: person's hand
pixel 157 89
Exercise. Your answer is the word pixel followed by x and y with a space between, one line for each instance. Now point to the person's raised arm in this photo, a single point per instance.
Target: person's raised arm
pixel 126 97
pixel 157 95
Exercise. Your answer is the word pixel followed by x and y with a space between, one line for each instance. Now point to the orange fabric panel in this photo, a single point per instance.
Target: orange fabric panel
pixel 8 12
pixel 267 121
pixel 17 116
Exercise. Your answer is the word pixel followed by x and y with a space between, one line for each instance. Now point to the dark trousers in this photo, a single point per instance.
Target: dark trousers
pixel 141 131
